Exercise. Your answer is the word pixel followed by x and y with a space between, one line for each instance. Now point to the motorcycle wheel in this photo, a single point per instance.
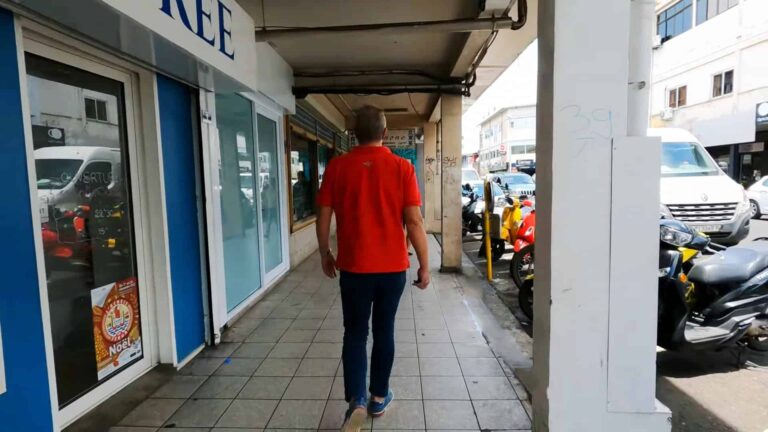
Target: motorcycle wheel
pixel 520 260
pixel 525 298
pixel 497 249
pixel 758 344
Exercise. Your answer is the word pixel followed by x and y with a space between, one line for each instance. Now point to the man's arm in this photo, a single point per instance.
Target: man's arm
pixel 415 226
pixel 323 227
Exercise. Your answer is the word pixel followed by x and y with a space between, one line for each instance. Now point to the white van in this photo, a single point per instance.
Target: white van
pixel 696 191
pixel 68 175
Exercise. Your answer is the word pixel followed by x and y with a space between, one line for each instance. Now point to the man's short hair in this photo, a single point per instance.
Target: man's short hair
pixel 370 124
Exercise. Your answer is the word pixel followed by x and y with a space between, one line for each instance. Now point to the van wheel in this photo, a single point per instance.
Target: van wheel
pixel 755 209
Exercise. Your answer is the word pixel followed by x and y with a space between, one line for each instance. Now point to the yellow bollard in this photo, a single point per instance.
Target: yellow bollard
pixel 488 195
pixel 488 257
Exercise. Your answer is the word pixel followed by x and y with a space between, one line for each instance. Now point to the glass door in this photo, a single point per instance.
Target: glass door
pixel 271 191
pixel 82 128
pixel 240 189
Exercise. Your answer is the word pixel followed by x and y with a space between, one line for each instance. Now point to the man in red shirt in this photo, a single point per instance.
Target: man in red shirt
pixel 372 192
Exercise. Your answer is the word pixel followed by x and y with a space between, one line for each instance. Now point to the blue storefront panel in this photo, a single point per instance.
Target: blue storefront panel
pixel 26 405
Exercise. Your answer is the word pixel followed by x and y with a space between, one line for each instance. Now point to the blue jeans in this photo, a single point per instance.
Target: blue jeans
pixel 361 293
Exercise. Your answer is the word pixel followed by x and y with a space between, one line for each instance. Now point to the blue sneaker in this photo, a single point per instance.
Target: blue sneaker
pixel 377 409
pixel 356 416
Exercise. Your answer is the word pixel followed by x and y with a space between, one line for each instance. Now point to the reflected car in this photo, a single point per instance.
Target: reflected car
pixel 515 184
pixel 758 197
pixel 499 196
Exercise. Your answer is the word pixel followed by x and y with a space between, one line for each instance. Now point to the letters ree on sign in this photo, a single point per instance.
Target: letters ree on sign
pixel 205 27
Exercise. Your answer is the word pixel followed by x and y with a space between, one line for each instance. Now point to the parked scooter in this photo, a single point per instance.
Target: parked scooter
pixel 708 304
pixel 714 303
pixel 471 222
pixel 521 227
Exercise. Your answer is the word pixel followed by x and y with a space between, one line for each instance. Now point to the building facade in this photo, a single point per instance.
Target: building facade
pixel 508 140
pixel 147 192
pixel 710 77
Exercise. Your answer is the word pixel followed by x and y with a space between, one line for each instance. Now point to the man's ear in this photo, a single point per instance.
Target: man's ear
pixel 384 134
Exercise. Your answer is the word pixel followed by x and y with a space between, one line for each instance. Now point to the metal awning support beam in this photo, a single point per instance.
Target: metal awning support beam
pixel 452 89
pixel 446 26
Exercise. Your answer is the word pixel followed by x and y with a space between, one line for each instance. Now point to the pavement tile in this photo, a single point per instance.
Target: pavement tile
pixel 265 388
pixel 289 350
pixel 430 324
pixel 405 336
pixel 318 367
pixel 439 367
pixel 152 412
pixel 236 334
pixel 306 324
pixel 132 429
pixel 253 350
pixel 179 387
pixel 493 388
pixel 221 387
pixel 432 336
pixel 224 349
pixel 406 349
pixel 265 335
pixel 329 336
pixel 481 367
pixel 309 388
pixel 238 367
pixel 201 366
pixel 324 350
pixel 442 414
pixel 405 366
pixel 444 349
pixel 445 388
pixel 402 414
pixel 198 413
pixel 298 414
pixel 469 350
pixel 501 415
pixel 314 313
pixel 278 367
pixel 298 336
pixel 403 387
pixel 248 413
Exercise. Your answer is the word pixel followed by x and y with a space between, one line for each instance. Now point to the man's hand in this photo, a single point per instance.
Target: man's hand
pixel 329 265
pixel 423 278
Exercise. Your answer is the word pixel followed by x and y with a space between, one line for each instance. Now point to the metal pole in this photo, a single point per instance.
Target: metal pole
pixel 488 257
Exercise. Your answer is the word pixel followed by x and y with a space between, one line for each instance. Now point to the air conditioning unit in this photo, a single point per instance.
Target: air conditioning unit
pixel 656 41
pixel 667 114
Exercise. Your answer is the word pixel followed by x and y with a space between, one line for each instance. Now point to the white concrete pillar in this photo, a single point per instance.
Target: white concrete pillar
pixel 432 189
pixel 597 245
pixel 450 113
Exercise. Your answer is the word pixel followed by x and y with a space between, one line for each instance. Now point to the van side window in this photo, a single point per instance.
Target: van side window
pixel 765 182
pixel 96 175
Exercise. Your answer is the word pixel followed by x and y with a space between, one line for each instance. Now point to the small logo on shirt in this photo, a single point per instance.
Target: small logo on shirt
pixel 367 164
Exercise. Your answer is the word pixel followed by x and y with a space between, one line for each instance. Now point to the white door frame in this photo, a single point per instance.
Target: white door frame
pixel 212 166
pixel 52 45
pixel 268 110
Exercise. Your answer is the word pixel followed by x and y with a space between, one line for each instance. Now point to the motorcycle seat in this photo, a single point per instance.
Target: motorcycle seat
pixel 734 265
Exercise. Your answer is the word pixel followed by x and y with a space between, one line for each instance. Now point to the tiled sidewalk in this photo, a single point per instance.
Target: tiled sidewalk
pixel 280 368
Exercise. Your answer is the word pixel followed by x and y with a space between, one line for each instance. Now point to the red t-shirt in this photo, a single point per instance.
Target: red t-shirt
pixel 368 190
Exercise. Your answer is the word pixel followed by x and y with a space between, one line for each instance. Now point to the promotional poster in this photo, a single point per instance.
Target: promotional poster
pixel 116 326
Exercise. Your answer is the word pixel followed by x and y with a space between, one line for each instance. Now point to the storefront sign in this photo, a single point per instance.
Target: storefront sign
pixel 761 117
pixel 751 147
pixel 396 138
pixel 45 136
pixel 212 22
pixel 218 32
pixel 116 326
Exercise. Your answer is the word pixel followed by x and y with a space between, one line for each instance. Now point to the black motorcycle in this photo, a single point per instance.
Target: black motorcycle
pixel 711 303
pixel 471 222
